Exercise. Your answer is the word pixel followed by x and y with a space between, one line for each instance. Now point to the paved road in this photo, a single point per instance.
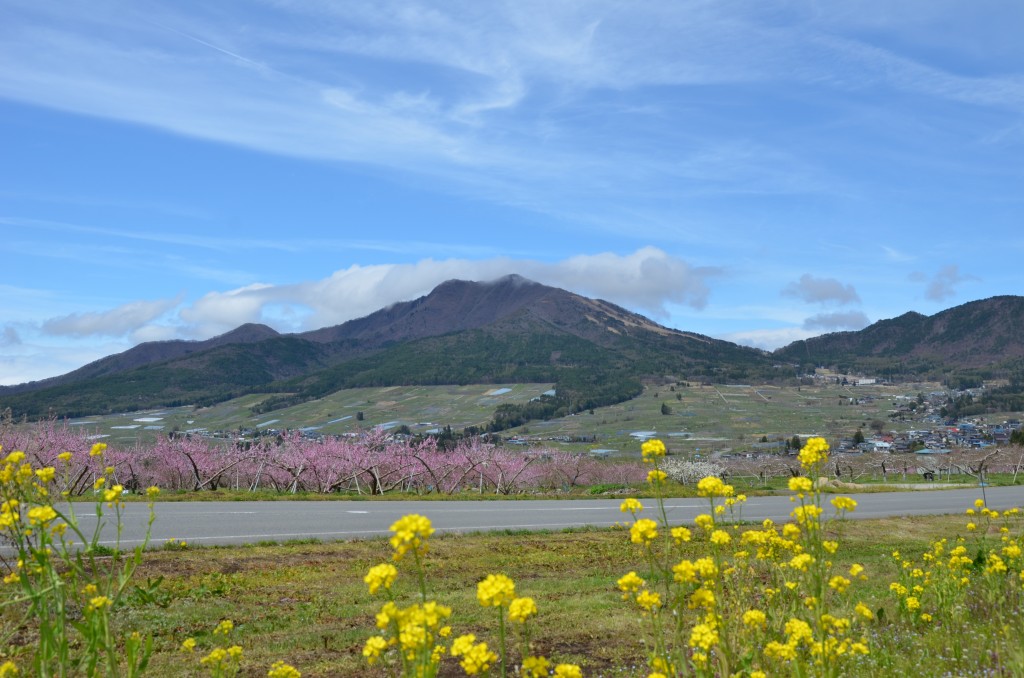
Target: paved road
pixel 222 523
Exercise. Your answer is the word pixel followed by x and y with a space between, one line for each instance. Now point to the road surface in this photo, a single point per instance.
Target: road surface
pixel 243 522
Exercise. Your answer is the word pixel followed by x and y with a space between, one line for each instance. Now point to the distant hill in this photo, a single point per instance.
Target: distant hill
pixel 976 337
pixel 508 330
pixel 146 354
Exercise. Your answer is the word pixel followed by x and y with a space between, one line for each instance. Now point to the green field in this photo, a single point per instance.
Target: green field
pixel 421 408
pixel 307 604
pixel 719 418
pixel 702 419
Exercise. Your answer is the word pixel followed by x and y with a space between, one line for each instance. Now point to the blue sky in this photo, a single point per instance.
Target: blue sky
pixel 759 172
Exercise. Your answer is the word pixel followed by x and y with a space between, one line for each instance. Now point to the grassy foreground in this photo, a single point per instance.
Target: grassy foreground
pixel 307 603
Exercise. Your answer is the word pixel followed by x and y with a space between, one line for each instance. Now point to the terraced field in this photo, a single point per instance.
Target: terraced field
pixel 700 419
pixel 421 408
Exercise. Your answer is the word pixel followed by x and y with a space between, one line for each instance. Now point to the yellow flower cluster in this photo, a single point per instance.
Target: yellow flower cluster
pixel 713 486
pixel 522 609
pixel 643 531
pixel 380 576
pixel 631 505
pixel 281 670
pixel 476 657
pixel 794 561
pixel 949 579
pixel 410 534
pixel 813 454
pixel 496 590
pixel 417 635
pixel 652 450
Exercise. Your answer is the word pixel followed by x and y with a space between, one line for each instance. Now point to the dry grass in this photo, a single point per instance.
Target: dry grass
pixel 306 603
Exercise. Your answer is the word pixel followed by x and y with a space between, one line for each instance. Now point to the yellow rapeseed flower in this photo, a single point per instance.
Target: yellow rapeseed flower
pixel 65 457
pixel 656 477
pixel 755 619
pixel 225 627
pixel 522 609
pixel 630 582
pixel 496 590
pixel 805 514
pixel 41 515
pixel 97 449
pixel 685 572
pixel 568 671
pixel 703 636
pixel 839 583
pixel 813 453
pixel 631 505
pixel 281 670
pixel 800 484
pixel 476 658
pixel 536 667
pixel 798 631
pixel 380 576
pixel 643 531
pixel 216 657
pixel 98 603
pixel 706 568
pixel 720 538
pixel 189 645
pixel 844 503
pixel 780 651
pixel 373 648
pixel 651 450
pixel 410 534
pixel 704 521
pixel 703 598
pixel 681 535
pixel 8 669
pixel 648 600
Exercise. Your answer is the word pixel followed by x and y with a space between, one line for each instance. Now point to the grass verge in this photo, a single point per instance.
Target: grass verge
pixel 306 603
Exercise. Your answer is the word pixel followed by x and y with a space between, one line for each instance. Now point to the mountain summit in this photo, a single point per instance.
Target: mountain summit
pixel 509 329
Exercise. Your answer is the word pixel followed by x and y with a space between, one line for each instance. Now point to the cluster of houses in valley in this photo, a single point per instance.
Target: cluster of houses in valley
pixel 937 440
pixel 938 433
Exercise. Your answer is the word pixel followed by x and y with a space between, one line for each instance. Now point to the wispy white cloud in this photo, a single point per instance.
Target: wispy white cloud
pixel 10 336
pixel 942 285
pixel 409 85
pixel 113 323
pixel 842 320
pixel 218 244
pixel 646 280
pixel 30 361
pixel 821 290
pixel 892 254
pixel 768 339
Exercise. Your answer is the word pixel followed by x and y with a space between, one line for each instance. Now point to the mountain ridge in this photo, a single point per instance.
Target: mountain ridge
pixel 511 326
pixel 509 329
pixel 974 335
